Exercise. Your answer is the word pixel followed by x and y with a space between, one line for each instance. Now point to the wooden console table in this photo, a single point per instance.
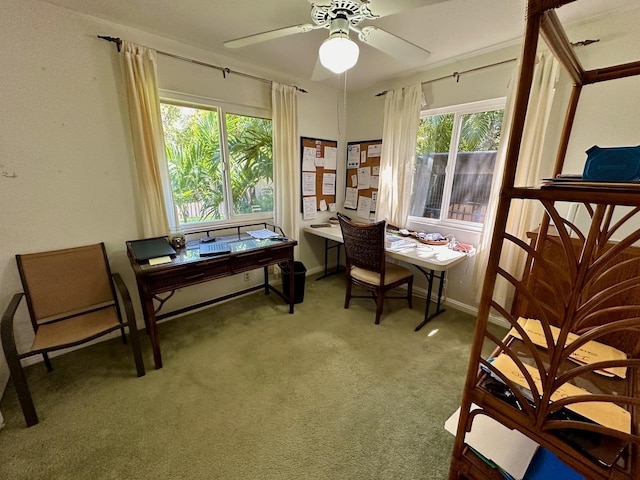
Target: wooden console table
pixel 188 268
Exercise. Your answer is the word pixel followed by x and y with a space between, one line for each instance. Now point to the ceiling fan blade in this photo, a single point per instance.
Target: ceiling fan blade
pixel 394 46
pixel 319 72
pixel 270 35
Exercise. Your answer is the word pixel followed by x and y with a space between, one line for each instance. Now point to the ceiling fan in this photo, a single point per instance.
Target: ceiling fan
pixel 338 53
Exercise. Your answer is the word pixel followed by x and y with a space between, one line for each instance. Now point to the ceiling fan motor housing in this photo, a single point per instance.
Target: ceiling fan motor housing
pixel 353 11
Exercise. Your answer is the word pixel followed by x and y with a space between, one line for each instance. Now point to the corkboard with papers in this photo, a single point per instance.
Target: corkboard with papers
pixel 363 173
pixel 318 175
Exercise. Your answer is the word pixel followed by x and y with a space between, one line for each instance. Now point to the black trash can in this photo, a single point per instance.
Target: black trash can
pixel 299 275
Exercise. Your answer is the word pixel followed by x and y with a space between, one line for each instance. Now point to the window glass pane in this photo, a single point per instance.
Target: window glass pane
pixel 475 161
pixel 434 138
pixel 192 141
pixel 251 160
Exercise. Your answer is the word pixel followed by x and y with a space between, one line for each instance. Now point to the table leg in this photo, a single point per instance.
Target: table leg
pixel 152 328
pixel 326 259
pixel 430 276
pixel 266 280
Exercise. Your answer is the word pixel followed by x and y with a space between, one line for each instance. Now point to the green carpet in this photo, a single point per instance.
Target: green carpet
pixel 250 392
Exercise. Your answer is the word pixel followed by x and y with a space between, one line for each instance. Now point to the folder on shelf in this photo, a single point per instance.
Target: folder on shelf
pixel 546 466
pixel 509 449
pixel 151 248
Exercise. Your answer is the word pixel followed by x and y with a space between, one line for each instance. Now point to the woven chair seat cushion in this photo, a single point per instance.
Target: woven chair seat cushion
pixel 75 329
pixel 393 273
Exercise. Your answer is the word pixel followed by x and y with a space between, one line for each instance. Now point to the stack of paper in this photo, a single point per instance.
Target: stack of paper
pixel 509 449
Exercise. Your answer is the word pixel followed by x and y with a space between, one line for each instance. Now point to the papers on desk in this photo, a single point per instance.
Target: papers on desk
pixel 397 244
pixel 263 233
pixel 509 449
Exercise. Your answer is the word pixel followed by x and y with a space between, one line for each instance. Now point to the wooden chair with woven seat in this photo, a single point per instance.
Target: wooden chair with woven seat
pixel 367 266
pixel 71 299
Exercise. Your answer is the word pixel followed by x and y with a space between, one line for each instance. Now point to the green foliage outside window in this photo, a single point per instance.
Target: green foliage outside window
pixel 193 147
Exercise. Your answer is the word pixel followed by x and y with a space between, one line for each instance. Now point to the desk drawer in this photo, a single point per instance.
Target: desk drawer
pixel 177 277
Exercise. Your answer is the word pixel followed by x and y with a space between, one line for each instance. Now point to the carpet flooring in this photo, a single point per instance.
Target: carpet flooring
pixel 248 391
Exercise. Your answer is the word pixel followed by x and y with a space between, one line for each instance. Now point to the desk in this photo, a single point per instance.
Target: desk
pixel 437 259
pixel 188 268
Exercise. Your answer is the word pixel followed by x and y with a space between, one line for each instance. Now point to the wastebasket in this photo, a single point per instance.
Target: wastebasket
pixel 299 275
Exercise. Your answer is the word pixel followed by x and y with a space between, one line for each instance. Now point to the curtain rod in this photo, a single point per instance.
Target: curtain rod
pixel 456 75
pixel 225 70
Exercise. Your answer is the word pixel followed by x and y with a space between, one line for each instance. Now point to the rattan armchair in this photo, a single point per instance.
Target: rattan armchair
pixel 71 299
pixel 364 246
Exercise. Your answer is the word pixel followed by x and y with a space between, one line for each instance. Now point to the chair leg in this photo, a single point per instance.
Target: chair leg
pixel 47 362
pixel 379 305
pixel 347 296
pixel 22 389
pixel 135 346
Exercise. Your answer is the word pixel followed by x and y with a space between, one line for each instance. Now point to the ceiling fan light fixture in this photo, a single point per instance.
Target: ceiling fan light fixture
pixel 339 53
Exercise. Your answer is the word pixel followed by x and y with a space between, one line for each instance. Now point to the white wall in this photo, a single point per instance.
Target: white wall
pixel 65 136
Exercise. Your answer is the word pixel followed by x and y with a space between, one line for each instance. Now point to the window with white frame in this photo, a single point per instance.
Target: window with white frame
pixel 220 162
pixel 455 161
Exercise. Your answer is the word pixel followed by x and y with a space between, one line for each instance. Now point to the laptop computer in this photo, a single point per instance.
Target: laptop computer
pixel 214 248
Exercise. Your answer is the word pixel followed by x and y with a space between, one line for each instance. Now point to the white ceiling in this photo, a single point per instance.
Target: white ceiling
pixel 449 29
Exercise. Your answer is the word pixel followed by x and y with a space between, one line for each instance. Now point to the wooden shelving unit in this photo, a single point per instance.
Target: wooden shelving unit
pixel 577 279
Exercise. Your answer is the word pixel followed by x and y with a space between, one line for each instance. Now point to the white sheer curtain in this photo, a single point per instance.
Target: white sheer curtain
pixel 157 211
pixel 284 105
pixel 399 136
pixel 523 216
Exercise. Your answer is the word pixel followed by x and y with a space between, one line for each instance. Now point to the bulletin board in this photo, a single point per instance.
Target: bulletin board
pixel 318 160
pixel 363 174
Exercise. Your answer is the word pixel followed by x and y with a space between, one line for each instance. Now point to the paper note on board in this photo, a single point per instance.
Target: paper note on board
pixel 351 198
pixel 353 156
pixel 364 177
pixel 309 208
pixel 364 207
pixel 329 184
pixel 374 150
pixel 323 206
pixel 330 156
pixel 308 183
pixel 309 159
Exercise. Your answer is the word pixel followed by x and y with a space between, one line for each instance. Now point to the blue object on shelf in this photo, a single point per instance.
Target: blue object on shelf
pixel 546 466
pixel 612 164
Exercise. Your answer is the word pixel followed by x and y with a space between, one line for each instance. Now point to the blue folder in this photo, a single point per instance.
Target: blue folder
pixel 546 466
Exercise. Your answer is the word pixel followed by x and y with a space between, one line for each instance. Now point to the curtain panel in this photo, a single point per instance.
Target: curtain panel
pixel 284 105
pixel 523 216
pixel 157 211
pixel 397 160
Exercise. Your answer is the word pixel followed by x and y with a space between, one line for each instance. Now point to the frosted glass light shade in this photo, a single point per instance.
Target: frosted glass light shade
pixel 338 53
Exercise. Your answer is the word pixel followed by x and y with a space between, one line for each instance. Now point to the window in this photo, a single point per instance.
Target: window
pixel 220 163
pixel 455 160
